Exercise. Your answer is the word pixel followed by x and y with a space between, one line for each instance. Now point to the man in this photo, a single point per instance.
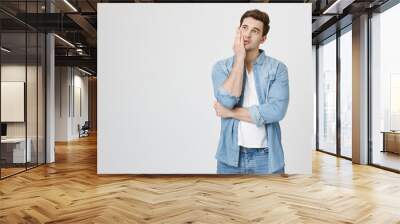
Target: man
pixel 252 92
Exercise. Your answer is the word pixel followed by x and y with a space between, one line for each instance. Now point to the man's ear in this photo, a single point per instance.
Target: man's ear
pixel 263 39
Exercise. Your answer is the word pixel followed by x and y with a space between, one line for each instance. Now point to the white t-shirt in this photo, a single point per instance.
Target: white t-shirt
pixel 249 135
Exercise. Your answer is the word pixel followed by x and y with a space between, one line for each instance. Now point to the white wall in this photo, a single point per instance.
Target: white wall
pixel 155 93
pixel 61 103
pixel 68 81
pixel 314 73
pixel 17 73
pixel 80 84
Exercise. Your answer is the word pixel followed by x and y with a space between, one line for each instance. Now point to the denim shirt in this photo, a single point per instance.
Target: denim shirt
pixel 272 87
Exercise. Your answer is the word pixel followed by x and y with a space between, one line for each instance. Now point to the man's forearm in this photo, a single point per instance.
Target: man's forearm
pixel 242 114
pixel 233 84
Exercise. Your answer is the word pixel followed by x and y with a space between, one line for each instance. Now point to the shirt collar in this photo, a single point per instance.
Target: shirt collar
pixel 260 57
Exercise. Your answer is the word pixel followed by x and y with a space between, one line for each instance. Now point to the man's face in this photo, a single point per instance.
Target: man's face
pixel 252 33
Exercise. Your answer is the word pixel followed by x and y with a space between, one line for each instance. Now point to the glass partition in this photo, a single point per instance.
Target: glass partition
pixel 41 88
pixel 327 96
pixel 32 95
pixel 22 77
pixel 13 109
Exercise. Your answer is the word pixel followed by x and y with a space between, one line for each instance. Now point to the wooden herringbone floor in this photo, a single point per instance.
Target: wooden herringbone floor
pixel 70 191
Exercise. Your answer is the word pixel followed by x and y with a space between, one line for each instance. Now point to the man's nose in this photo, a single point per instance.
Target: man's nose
pixel 246 33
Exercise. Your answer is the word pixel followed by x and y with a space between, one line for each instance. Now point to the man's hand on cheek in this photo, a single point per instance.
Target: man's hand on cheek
pixel 221 111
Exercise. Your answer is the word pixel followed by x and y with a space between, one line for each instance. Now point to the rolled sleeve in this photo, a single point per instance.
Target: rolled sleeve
pixel 219 75
pixel 255 115
pixel 276 106
pixel 225 99
pixel 274 109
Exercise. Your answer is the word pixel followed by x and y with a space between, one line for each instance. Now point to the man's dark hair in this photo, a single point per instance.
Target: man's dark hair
pixel 257 15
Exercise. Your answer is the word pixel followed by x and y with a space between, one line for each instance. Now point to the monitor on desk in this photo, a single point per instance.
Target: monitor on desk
pixel 3 130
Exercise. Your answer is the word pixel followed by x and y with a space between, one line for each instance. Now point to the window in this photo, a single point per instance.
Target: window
pixel 385 89
pixel 346 94
pixel 327 97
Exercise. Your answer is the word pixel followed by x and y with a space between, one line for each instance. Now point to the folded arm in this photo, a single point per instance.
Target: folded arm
pixel 228 87
pixel 273 110
pixel 275 107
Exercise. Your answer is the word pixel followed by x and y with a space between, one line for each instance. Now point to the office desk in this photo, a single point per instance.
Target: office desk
pixel 13 150
pixel 391 141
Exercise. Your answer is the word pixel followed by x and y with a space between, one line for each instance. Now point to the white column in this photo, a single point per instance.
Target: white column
pixel 360 90
pixel 50 91
pixel 50 110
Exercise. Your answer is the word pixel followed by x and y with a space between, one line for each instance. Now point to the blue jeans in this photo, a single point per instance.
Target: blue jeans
pixel 251 161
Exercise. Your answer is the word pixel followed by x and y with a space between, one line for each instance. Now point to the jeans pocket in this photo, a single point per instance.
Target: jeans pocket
pixel 261 153
pixel 264 150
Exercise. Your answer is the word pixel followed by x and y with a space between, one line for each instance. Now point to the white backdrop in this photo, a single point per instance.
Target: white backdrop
pixel 155 93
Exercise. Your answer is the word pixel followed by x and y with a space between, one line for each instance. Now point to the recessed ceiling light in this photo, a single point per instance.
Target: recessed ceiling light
pixel 64 40
pixel 5 49
pixel 337 7
pixel 70 5
pixel 84 71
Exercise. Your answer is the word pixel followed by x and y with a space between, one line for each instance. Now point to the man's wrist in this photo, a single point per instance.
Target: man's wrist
pixel 239 58
pixel 234 112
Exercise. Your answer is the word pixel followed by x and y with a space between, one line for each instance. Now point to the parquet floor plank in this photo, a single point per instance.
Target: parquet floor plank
pixel 70 191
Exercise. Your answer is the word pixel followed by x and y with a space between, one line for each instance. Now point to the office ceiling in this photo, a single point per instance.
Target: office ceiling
pixel 76 21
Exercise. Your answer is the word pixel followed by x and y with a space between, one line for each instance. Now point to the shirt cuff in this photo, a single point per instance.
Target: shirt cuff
pixel 255 115
pixel 222 91
pixel 227 97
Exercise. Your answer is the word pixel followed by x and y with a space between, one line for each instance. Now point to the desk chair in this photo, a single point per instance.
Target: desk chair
pixel 84 130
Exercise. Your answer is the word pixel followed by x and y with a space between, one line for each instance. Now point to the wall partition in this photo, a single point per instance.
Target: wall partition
pixel 22 88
